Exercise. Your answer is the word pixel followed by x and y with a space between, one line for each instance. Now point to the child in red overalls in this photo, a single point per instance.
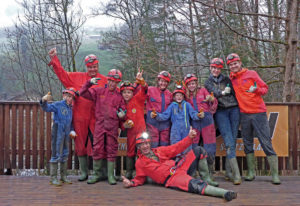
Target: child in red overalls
pixel 135 122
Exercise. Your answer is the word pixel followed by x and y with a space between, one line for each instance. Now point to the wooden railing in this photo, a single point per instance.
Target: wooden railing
pixel 25 139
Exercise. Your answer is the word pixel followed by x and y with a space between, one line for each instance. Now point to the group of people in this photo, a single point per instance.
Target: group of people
pixel 175 121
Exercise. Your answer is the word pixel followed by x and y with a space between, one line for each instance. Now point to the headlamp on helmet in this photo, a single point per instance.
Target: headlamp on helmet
pixel 142 137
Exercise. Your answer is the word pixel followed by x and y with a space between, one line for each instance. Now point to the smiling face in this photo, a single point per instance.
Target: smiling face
pixel 178 97
pixel 235 66
pixel 144 147
pixel 112 85
pixel 92 70
pixel 69 98
pixel 127 94
pixel 192 86
pixel 215 71
pixel 162 84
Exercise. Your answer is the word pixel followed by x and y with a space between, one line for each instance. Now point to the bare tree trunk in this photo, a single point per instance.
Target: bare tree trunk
pixel 291 51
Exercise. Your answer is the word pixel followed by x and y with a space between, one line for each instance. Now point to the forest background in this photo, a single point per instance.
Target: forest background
pixel 180 36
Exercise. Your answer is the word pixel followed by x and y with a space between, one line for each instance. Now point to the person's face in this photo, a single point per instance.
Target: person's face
pixel 69 98
pixel 192 86
pixel 178 97
pixel 127 94
pixel 145 148
pixel 235 66
pixel 162 84
pixel 112 85
pixel 92 70
pixel 215 71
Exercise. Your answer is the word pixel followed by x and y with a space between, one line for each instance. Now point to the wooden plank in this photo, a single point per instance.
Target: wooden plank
pixel 7 162
pixel 34 136
pixel 48 138
pixel 27 129
pixel 14 135
pixel 20 135
pixel 294 122
pixel 41 137
pixel 1 139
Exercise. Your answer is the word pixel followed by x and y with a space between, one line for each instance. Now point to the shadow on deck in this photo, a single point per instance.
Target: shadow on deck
pixel 16 190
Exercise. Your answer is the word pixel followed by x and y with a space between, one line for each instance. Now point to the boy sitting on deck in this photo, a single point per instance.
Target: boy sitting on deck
pixel 61 133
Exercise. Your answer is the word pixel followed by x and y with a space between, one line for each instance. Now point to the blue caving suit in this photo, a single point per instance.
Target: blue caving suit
pixel 180 119
pixel 62 123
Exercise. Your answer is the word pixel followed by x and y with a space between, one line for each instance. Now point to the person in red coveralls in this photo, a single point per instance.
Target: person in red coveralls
pixel 158 164
pixel 135 122
pixel 83 109
pixel 158 99
pixel 110 109
pixel 249 88
pixel 202 100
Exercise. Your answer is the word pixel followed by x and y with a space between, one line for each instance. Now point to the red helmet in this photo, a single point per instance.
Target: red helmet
pixel 115 75
pixel 164 75
pixel 217 62
pixel 90 60
pixel 142 137
pixel 179 89
pixel 70 90
pixel 190 77
pixel 232 57
pixel 126 85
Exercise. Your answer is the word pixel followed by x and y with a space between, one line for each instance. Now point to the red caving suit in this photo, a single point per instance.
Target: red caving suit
pixel 107 105
pixel 159 131
pixel 135 112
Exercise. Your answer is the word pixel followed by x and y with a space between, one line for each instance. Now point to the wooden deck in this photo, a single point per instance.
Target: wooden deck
pixel 16 190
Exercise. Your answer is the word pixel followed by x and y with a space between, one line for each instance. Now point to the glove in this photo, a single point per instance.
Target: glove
pixel 192 133
pixel 201 114
pixel 47 97
pixel 252 88
pixel 140 81
pixel 94 80
pixel 73 134
pixel 210 98
pixel 128 124
pixel 121 114
pixel 227 90
pixel 153 114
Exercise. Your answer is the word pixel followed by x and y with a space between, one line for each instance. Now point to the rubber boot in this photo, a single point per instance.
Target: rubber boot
pixel 83 168
pixel 129 167
pixel 53 174
pixel 63 173
pixel 237 180
pixel 110 172
pixel 97 164
pixel 211 169
pixel 228 195
pixel 204 172
pixel 251 165
pixel 273 162
pixel 228 173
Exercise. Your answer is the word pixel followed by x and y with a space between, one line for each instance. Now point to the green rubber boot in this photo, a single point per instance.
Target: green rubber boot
pixel 110 172
pixel 204 172
pixel 53 174
pixel 97 165
pixel 273 162
pixel 83 166
pixel 251 167
pixel 129 167
pixel 63 173
pixel 237 180
pixel 228 195
pixel 228 173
